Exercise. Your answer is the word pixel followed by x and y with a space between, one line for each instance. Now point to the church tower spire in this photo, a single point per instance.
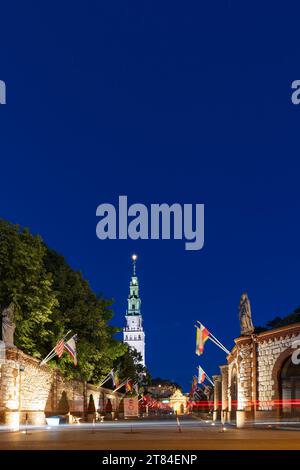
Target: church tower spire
pixel 133 333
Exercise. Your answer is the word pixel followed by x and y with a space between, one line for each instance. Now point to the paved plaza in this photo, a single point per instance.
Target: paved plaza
pixel 152 435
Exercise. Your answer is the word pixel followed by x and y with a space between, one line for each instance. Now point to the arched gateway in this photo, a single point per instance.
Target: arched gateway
pixel 290 389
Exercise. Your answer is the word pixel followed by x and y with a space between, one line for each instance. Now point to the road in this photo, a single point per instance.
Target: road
pixel 150 435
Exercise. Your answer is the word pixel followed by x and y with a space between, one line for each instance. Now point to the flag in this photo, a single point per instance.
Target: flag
pixel 198 395
pixel 59 348
pixel 70 347
pixel 112 377
pixel 56 351
pixel 194 386
pixel 201 375
pixel 116 379
pixel 202 336
pixel 129 385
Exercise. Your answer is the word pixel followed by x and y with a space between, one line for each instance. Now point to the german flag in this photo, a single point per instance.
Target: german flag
pixel 194 386
pixel 129 385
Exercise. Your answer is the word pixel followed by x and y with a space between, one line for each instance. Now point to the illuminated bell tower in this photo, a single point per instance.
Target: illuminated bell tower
pixel 133 333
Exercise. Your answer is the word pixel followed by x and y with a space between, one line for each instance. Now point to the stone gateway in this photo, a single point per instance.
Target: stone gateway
pixel 261 379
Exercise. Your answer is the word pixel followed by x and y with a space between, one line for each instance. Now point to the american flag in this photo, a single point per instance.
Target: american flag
pixel 70 347
pixel 59 348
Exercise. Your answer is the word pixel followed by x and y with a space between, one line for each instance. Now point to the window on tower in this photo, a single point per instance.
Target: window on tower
pixel 133 307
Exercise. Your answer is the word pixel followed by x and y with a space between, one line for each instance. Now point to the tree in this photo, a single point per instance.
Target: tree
pixel 86 314
pixel 129 366
pixel 274 323
pixel 277 322
pixel 165 383
pixel 108 406
pixel 91 406
pixel 50 299
pixel 63 404
pixel 25 282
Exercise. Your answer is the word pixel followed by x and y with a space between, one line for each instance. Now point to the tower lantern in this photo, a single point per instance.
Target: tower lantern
pixel 133 333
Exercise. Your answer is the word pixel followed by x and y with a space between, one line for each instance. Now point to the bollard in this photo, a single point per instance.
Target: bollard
pixel 178 424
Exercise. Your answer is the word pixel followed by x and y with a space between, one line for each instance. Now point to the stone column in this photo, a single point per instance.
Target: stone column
pixel 244 412
pixel 254 375
pixel 10 395
pixel 217 397
pixel 224 411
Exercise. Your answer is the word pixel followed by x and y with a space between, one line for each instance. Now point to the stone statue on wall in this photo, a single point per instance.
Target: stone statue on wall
pixel 8 325
pixel 245 316
pixel 2 352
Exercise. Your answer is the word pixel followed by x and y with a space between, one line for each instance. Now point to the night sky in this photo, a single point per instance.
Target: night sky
pixel 163 102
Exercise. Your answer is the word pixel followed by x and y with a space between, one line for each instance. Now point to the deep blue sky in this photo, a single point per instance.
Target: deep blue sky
pixel 164 102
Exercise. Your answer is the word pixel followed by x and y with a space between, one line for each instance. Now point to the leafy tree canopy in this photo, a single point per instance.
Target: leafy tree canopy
pixel 129 366
pixel 164 383
pixel 50 299
pixel 277 322
pixel 25 281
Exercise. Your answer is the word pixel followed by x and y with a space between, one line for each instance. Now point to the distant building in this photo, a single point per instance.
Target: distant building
pixel 133 333
pixel 168 394
pixel 160 388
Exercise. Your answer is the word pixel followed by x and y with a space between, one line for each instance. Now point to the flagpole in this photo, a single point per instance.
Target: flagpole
pixel 210 380
pixel 48 359
pixel 51 356
pixel 106 378
pixel 52 353
pixel 103 382
pixel 219 345
pixel 225 349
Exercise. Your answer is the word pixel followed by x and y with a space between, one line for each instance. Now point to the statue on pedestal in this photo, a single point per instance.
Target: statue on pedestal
pixel 8 325
pixel 245 316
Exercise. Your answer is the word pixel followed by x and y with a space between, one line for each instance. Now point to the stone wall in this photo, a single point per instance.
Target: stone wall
pixel 270 351
pixel 31 392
